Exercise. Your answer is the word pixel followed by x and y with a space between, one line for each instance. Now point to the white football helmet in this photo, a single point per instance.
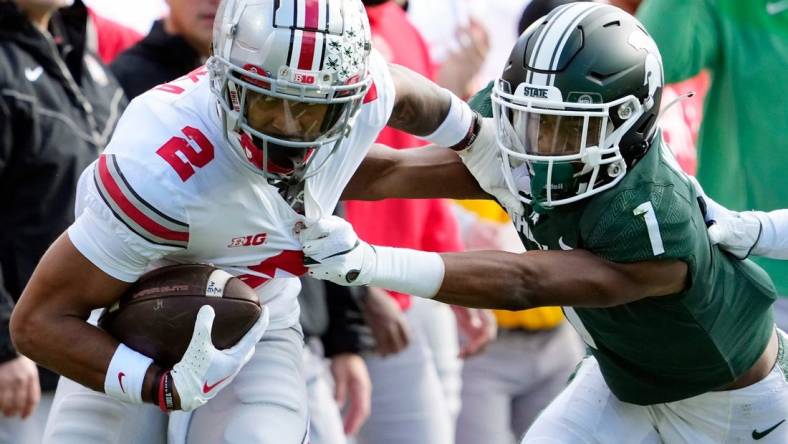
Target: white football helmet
pixel 290 77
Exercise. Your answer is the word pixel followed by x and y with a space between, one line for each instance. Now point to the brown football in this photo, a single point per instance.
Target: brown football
pixel 156 315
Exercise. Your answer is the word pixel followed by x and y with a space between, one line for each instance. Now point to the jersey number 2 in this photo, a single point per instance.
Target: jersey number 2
pixel 190 158
pixel 652 225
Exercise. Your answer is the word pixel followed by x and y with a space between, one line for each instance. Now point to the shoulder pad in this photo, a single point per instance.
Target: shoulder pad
pixel 642 224
pixel 143 203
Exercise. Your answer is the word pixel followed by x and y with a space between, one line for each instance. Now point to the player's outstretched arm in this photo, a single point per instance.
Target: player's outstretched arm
pixel 747 232
pixel 486 279
pixel 421 106
pixel 417 173
pixel 496 279
pixel 424 109
pixel 773 241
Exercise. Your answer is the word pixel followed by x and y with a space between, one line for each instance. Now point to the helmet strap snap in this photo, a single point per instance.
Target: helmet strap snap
pixel 615 169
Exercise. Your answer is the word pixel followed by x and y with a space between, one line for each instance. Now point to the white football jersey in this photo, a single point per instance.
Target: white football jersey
pixel 167 189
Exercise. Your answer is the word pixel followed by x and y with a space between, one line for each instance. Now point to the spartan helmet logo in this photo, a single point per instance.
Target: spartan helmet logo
pixel 654 77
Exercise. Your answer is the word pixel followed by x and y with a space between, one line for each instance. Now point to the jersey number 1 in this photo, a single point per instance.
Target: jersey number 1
pixel 652 225
pixel 191 158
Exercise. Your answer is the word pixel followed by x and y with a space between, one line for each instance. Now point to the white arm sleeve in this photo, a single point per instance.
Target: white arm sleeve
pixel 773 242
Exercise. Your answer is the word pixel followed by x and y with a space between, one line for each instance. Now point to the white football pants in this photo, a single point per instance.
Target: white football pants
pixel 587 412
pixel 265 404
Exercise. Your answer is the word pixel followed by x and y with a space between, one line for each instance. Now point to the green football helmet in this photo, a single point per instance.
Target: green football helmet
pixel 577 103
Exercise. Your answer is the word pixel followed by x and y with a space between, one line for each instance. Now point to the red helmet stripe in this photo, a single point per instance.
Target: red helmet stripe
pixel 307 56
pixel 311 14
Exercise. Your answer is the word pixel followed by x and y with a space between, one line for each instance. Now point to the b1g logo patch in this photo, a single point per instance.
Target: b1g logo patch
pixel 304 77
pixel 248 241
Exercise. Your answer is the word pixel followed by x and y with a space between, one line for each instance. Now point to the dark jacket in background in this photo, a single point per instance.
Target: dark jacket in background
pixel 332 313
pixel 58 108
pixel 156 59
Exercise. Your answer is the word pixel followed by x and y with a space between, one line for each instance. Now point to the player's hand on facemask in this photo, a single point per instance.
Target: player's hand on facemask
pixel 483 160
pixel 335 253
pixel 735 232
pixel 204 370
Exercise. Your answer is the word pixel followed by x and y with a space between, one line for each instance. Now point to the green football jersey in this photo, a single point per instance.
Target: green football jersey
pixel 743 44
pixel 660 349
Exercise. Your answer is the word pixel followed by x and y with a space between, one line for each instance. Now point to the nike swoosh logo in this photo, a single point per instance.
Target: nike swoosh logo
pixel 208 387
pixel 33 74
pixel 120 381
pixel 775 8
pixel 358 242
pixel 563 246
pixel 756 435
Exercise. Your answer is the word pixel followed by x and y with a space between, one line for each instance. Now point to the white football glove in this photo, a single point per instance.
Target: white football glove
pixel 735 232
pixel 483 160
pixel 204 370
pixel 333 252
pixel 336 253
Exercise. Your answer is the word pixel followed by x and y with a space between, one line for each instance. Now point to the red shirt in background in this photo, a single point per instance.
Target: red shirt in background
pixel 112 37
pixel 424 224
pixel 680 123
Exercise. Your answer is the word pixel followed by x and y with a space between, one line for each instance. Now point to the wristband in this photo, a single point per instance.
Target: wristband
pixel 126 374
pixel 470 137
pixel 418 273
pixel 456 127
pixel 165 398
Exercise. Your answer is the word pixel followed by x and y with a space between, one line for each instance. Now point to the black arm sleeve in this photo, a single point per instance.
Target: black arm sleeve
pixel 347 331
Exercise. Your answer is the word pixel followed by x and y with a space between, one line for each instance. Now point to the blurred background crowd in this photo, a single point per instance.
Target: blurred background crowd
pixel 382 367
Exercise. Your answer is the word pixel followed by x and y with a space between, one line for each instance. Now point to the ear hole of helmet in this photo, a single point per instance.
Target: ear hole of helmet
pixel 636 142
